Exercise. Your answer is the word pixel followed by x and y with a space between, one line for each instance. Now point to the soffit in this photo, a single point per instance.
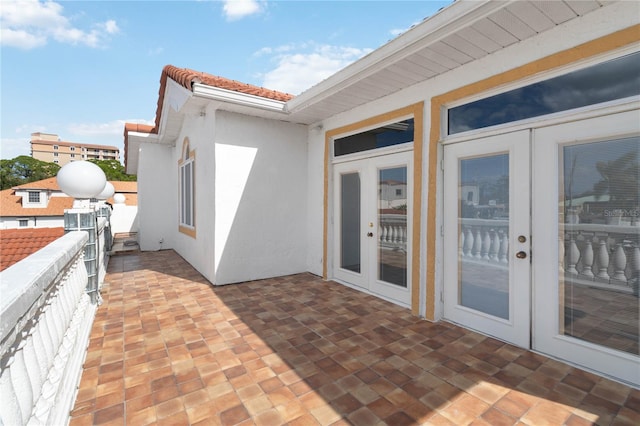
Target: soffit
pixel 463 32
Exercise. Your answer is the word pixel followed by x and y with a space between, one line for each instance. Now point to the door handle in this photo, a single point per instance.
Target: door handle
pixel 521 255
pixel 369 234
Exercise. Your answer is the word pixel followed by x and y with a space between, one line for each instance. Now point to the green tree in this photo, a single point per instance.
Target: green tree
pixel 114 170
pixel 24 169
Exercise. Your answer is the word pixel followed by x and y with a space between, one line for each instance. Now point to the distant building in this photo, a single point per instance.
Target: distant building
pixel 48 147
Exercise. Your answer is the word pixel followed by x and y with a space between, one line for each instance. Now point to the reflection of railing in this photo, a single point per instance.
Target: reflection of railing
pixel 597 255
pixel 392 231
pixel 484 240
pixel 601 255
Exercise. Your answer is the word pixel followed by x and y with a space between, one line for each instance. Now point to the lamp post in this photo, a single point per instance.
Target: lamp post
pixel 83 181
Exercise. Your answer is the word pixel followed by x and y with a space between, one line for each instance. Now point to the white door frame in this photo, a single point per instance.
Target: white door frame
pixel 366 280
pixel 546 295
pixel 516 328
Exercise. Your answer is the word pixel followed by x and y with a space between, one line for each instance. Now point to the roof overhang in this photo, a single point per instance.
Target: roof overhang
pixel 134 140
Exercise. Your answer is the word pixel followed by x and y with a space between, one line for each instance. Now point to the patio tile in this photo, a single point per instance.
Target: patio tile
pixel 168 348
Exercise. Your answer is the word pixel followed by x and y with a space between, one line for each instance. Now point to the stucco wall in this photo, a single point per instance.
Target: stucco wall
pixel 199 129
pixel 34 222
pixel 156 195
pixel 261 198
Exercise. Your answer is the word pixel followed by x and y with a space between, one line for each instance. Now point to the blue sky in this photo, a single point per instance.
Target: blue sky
pixel 80 69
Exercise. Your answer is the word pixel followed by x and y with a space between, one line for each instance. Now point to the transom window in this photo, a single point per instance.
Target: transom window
pixel 615 79
pixel 389 135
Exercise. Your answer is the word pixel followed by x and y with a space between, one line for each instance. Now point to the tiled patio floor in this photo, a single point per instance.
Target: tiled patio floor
pixel 168 348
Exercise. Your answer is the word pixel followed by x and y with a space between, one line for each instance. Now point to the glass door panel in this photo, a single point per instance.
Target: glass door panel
pixel 483 234
pixel 392 226
pixel 599 218
pixel 350 222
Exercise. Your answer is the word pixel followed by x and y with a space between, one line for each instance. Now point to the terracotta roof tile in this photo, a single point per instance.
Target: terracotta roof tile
pixel 11 206
pixel 16 244
pixel 49 183
pixel 187 78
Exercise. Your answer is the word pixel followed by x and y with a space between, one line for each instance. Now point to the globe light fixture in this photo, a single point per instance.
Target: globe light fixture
pixel 107 192
pixel 81 180
pixel 119 199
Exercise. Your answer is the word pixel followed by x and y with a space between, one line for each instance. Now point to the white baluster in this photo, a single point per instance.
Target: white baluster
pixel 21 383
pixel 635 266
pixel 486 245
pixel 603 259
pixel 619 264
pixel 11 413
pixel 31 360
pixel 461 243
pixel 477 245
pixel 587 259
pixel 468 242
pixel 572 257
pixel 495 246
pixel 504 247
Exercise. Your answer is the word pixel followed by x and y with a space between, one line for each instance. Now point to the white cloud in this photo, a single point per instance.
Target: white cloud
pixel 155 51
pixel 298 69
pixel 28 24
pixel 238 9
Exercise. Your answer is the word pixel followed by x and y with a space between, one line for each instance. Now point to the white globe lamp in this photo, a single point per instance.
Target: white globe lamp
pixel 119 199
pixel 107 192
pixel 81 180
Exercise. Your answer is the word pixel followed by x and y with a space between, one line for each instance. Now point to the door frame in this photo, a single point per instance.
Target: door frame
pixel 515 329
pixel 368 163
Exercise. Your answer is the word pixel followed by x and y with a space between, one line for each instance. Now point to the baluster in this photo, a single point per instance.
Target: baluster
pixel 468 242
pixel 561 254
pixel 477 245
pixel 504 247
pixel 635 266
pixel 21 383
pixel 495 246
pixel 383 231
pixel 403 233
pixel 11 413
pixel 619 264
pixel 40 351
pixel 461 238
pixel 587 259
pixel 31 360
pixel 486 245
pixel 394 234
pixel 573 256
pixel 603 259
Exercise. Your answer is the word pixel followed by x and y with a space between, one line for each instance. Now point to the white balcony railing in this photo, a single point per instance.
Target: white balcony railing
pixel 599 255
pixel 392 231
pixel 46 314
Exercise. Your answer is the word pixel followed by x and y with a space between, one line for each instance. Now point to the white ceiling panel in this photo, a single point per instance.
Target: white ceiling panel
pixel 530 15
pixel 512 24
pixel 451 52
pixel 463 45
pixel 495 32
pixel 557 11
pixel 476 37
pixel 583 6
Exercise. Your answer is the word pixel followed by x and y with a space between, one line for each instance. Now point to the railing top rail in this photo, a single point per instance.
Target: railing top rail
pixel 471 221
pixel 23 283
pixel 601 227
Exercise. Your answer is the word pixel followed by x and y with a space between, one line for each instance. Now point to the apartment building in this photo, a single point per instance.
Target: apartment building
pixel 48 147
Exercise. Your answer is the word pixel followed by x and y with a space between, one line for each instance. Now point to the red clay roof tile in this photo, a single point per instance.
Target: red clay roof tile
pixel 17 244
pixel 187 77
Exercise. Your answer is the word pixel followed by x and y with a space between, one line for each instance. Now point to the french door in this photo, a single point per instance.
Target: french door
pixel 586 267
pixel 542 240
pixel 372 225
pixel 487 235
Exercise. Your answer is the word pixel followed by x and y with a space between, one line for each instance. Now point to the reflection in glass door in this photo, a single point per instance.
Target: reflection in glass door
pixel 392 226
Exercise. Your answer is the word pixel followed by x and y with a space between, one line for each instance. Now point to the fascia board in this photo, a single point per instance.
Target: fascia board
pixel 230 96
pixel 445 22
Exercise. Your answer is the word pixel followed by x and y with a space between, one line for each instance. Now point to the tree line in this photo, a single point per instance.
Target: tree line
pixel 24 169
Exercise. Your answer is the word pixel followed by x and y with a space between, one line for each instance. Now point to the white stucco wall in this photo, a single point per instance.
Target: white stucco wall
pixel 261 198
pixel 198 251
pixel 34 222
pixel 124 219
pixel 156 197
